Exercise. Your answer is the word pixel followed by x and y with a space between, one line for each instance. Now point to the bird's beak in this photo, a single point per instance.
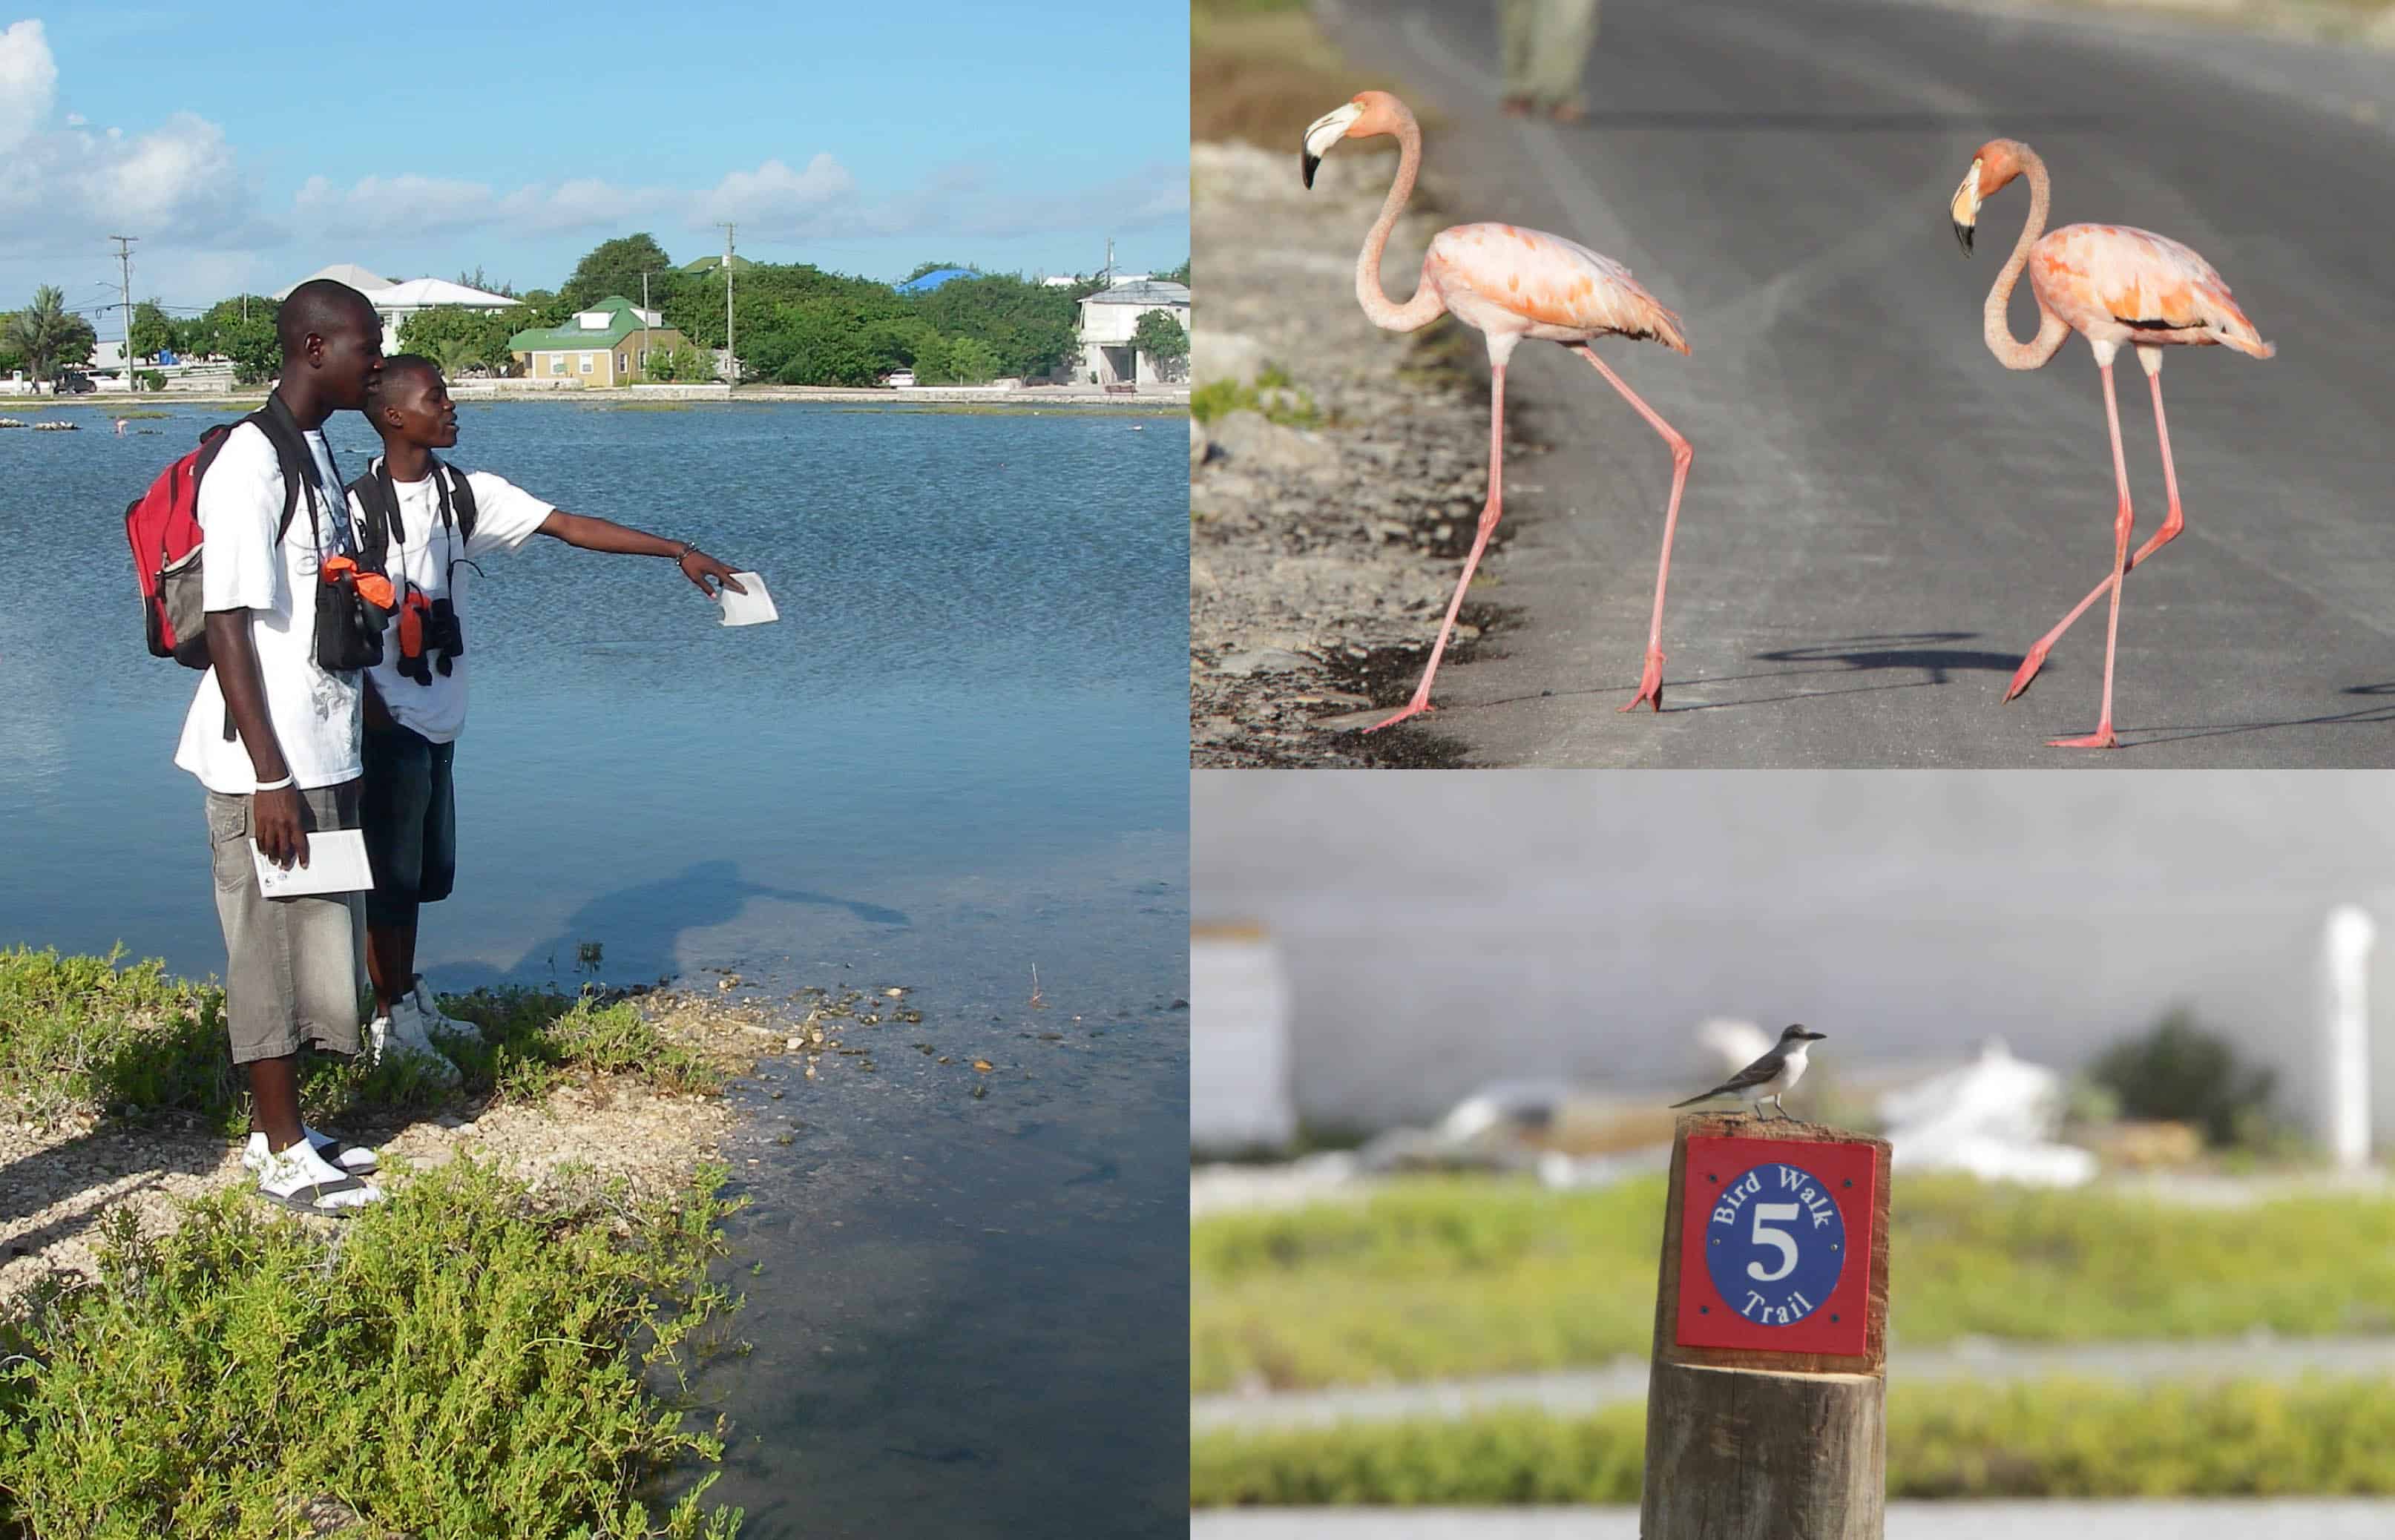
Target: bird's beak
pixel 1815 1036
pixel 1326 131
pixel 1965 207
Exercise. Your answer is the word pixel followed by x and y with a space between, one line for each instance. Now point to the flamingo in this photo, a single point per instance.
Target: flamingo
pixel 1509 284
pixel 2111 284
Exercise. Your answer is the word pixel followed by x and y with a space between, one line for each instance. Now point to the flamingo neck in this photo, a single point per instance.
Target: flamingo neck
pixel 2051 328
pixel 1426 306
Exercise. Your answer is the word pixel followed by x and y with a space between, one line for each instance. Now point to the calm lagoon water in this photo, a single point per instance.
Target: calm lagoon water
pixel 961 754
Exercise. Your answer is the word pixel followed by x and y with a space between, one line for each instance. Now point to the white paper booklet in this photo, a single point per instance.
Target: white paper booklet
pixel 337 864
pixel 753 607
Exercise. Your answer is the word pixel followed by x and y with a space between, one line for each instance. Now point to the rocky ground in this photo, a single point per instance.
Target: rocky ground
pixel 60 1181
pixel 1323 546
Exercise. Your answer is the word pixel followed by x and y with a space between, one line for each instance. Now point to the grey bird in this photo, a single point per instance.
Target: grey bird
pixel 1768 1077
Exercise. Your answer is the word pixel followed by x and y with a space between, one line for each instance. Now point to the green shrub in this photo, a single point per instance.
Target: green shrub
pixel 2180 1072
pixel 455 1362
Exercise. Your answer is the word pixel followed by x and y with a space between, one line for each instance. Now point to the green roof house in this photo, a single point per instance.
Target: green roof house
pixel 608 344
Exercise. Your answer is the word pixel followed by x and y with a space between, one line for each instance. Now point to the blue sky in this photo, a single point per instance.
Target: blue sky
pixel 249 145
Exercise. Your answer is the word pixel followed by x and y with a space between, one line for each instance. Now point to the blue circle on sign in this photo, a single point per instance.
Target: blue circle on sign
pixel 1775 1243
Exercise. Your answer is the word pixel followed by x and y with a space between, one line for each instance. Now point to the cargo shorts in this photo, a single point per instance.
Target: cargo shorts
pixel 291 965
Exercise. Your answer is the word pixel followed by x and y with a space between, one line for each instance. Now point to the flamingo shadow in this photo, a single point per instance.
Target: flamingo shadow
pixel 2363 716
pixel 1918 650
pixel 1829 123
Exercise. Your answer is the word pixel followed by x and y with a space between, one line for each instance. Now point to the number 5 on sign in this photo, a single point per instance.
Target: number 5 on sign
pixel 1762 1236
pixel 1775 1244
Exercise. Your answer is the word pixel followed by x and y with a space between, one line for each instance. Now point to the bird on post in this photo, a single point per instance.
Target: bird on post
pixel 1509 284
pixel 2111 284
pixel 1769 1077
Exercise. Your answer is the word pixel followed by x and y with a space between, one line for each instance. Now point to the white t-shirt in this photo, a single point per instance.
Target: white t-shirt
pixel 316 715
pixel 430 556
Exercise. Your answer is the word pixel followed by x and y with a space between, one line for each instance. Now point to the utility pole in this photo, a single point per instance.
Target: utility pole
pixel 731 355
pixel 644 321
pixel 125 274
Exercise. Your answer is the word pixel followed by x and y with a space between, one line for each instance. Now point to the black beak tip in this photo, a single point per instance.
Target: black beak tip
pixel 1309 159
pixel 1963 233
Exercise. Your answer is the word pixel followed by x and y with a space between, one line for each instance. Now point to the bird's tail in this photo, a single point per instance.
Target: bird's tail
pixel 1694 1099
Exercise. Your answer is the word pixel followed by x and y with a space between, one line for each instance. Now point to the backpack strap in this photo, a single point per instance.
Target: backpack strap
pixel 460 495
pixel 384 528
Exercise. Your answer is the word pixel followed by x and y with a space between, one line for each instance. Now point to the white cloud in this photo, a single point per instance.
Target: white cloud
pixel 65 188
pixel 29 83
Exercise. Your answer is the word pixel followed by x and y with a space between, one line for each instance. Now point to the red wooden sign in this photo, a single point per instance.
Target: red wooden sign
pixel 1775 1246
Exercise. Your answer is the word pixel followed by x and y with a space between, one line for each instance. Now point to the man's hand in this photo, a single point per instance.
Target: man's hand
pixel 275 823
pixel 698 567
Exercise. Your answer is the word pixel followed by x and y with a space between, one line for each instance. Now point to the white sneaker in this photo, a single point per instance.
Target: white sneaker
pixel 301 1179
pixel 420 996
pixel 355 1159
pixel 403 1032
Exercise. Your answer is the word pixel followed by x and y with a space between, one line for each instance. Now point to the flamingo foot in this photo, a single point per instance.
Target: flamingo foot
pixel 2028 670
pixel 1650 684
pixel 1414 708
pixel 2101 738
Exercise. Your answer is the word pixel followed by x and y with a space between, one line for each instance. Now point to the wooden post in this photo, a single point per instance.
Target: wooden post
pixel 1765 1404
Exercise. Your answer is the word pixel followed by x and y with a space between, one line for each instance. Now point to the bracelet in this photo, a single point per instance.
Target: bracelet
pixel 274 786
pixel 687 546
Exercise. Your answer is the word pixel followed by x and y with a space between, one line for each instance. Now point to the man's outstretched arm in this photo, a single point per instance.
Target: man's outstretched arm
pixel 600 534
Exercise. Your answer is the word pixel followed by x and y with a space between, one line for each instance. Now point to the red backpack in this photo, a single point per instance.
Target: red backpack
pixel 163 525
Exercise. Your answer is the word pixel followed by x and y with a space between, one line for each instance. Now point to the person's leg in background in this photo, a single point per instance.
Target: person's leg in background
pixel 1517 35
pixel 1566 36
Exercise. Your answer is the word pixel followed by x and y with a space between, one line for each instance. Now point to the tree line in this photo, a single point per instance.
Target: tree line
pixel 795 324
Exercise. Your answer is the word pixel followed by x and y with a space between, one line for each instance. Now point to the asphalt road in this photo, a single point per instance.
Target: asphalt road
pixel 1881 516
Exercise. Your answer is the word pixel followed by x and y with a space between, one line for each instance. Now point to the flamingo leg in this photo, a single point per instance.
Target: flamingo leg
pixel 1650 681
pixel 1489 513
pixel 2172 524
pixel 2103 737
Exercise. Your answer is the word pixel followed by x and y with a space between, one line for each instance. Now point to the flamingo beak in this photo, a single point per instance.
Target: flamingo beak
pixel 1965 207
pixel 1324 132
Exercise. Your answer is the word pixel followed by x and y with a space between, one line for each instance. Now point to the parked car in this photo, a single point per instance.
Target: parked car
pixel 72 382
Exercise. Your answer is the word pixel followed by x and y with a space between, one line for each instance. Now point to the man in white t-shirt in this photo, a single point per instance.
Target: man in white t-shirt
pixel 416 697
pixel 275 738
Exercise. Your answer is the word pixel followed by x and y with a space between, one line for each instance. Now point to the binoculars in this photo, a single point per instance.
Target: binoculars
pixel 430 636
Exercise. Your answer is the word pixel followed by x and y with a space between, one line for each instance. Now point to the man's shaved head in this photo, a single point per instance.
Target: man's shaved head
pixel 320 306
pixel 332 340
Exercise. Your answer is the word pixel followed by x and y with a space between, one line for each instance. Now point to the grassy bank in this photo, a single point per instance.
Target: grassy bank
pixel 471 1358
pixel 2057 1439
pixel 83 1034
pixel 1449 1277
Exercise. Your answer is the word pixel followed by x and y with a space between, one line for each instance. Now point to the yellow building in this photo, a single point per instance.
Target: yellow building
pixel 611 343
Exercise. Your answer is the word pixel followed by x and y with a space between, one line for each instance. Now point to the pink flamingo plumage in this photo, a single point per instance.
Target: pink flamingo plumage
pixel 1510 284
pixel 2111 284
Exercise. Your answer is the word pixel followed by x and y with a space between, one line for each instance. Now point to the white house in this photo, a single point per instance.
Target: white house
pixel 1108 319
pixel 395 300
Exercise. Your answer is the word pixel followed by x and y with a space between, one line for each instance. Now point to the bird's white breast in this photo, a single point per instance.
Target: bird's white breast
pixel 1792 1070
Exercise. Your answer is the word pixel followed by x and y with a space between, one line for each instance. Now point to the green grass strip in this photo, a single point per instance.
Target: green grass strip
pixel 2049 1438
pixel 1457 1276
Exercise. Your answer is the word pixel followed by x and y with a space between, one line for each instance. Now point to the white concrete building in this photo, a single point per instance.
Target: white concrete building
pixel 1108 319
pixel 395 300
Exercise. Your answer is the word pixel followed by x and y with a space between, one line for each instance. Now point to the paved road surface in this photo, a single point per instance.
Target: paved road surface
pixel 1881 516
pixel 2269 1519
